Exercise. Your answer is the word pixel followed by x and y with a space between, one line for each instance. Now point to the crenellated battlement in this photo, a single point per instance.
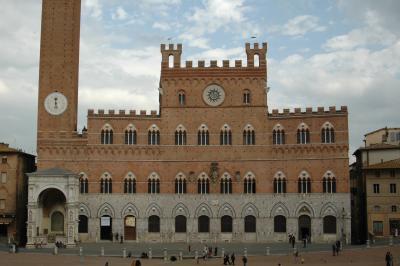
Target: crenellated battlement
pixel 256 58
pixel 122 113
pixel 308 111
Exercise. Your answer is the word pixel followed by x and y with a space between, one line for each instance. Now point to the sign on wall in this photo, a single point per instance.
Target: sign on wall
pixel 105 221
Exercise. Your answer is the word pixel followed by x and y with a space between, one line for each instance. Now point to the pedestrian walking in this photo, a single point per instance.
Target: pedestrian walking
pixel 233 258
pixel 293 241
pixel 106 263
pixel 244 259
pixel 215 251
pixel 388 259
pixel 138 263
pixel 333 250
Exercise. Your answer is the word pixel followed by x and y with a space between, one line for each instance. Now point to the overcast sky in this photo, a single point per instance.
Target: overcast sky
pixel 321 53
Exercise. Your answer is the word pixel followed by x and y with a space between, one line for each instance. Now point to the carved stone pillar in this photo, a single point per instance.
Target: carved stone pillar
pixel 31 224
pixel 72 223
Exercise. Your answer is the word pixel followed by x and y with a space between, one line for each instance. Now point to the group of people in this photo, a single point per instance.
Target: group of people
pixel 60 244
pixel 292 240
pixel 208 252
pixel 336 248
pixel 119 237
pixel 389 259
pixel 229 259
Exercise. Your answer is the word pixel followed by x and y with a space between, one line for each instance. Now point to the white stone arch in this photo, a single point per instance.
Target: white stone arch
pixel 153 176
pixel 130 209
pixel 226 176
pixel 279 175
pixel 248 127
pixel 84 210
pixel 203 209
pixel 249 175
pixel 329 174
pixel 203 127
pixel 250 209
pixel 226 127
pixel 279 208
pixel 154 209
pixel 130 127
pixel 106 175
pixel 226 209
pixel 302 125
pixel 180 176
pixel 180 209
pixel 278 127
pixel 107 126
pixel 52 186
pixel 180 127
pixel 153 127
pixel 304 174
pixel 130 175
pixel 106 209
pixel 203 176
pixel 304 208
pixel 329 209
pixel 83 175
pixel 327 125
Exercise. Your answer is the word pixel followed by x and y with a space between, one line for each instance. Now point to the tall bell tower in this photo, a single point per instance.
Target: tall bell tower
pixel 59 70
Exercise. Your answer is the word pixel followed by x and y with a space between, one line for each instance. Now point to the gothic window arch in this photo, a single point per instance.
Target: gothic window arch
pixel 180 184
pixel 249 183
pixel 106 136
pixel 154 224
pixel 280 224
pixel 226 184
pixel 203 184
pixel 181 98
pixel 246 96
pixel 278 135
pixel 83 183
pixel 249 135
pixel 106 183
pixel 180 224
pixel 327 133
pixel 280 182
pixel 303 134
pixel 83 224
pixel 203 136
pixel 250 224
pixel 304 183
pixel 154 135
pixel 226 224
pixel 153 183
pixel 203 224
pixel 130 183
pixel 329 224
pixel 329 183
pixel 180 135
pixel 130 135
pixel 225 136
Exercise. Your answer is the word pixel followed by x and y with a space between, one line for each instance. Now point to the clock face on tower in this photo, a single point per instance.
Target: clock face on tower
pixel 55 103
pixel 213 95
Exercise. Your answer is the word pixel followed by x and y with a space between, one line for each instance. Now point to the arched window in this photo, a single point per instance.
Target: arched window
pixel 327 133
pixel 329 224
pixel 180 135
pixel 203 224
pixel 304 183
pixel 225 135
pixel 170 61
pixel 246 96
pixel 106 184
pixel 279 183
pixel 329 183
pixel 280 224
pixel 226 224
pixel 154 224
pixel 130 135
pixel 303 134
pixel 83 184
pixel 181 98
pixel 154 135
pixel 203 184
pixel 57 222
pixel 249 184
pixel 256 60
pixel 153 184
pixel 180 184
pixel 83 224
pixel 278 135
pixel 226 184
pixel 106 135
pixel 130 184
pixel 249 135
pixel 180 224
pixel 203 137
pixel 250 224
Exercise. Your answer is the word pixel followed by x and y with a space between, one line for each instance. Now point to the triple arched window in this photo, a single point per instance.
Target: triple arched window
pixel 203 136
pixel 130 135
pixel 304 183
pixel 83 183
pixel 303 134
pixel 278 135
pixel 180 135
pixel 106 136
pixel 329 183
pixel 279 183
pixel 225 136
pixel 106 184
pixel 203 184
pixel 130 184
pixel 327 133
pixel 249 184
pixel 154 135
pixel 153 184
pixel 180 184
pixel 249 135
pixel 226 184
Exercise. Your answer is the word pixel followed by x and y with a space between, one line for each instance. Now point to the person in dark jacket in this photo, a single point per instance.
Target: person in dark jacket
pixel 233 258
pixel 244 259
